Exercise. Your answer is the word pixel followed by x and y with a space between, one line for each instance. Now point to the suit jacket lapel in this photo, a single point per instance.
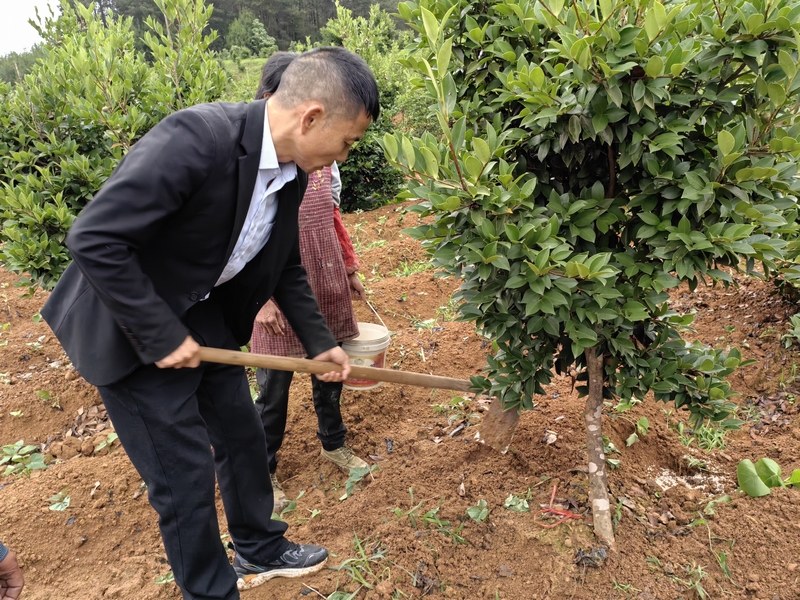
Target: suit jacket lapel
pixel 252 137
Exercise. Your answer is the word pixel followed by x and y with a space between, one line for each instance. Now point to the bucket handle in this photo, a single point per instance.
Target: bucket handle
pixel 375 312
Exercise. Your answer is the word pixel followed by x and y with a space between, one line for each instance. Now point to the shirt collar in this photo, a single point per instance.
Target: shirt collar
pixel 269 157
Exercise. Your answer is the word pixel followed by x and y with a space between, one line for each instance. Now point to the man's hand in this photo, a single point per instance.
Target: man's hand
pixel 338 356
pixel 269 317
pixel 357 287
pixel 186 355
pixel 11 581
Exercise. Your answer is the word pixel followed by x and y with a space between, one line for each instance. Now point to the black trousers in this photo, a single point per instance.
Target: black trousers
pixel 272 405
pixel 168 420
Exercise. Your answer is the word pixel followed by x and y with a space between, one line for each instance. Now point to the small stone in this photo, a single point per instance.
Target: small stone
pixel 753 577
pixel 792 567
pixel 55 451
pixel 385 589
pixel 796 434
pixel 568 543
pixel 68 452
pixel 99 503
pixel 71 375
pixel 505 571
pixel 87 448
pixel 80 541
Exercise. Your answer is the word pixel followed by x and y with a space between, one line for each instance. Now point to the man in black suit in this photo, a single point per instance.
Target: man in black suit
pixel 192 233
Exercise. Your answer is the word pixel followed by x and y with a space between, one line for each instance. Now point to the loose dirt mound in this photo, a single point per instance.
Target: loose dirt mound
pixel 406 531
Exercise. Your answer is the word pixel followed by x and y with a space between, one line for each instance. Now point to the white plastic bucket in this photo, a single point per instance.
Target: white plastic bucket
pixel 367 350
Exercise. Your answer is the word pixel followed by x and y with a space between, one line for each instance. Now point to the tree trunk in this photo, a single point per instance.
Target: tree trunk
pixel 598 484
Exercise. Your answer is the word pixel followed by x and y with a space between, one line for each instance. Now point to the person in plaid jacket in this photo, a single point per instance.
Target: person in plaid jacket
pixel 329 259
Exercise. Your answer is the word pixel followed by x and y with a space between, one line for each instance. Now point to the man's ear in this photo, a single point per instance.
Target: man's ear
pixel 312 116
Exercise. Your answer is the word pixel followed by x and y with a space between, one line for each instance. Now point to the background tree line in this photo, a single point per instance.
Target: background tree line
pixel 282 22
pixel 100 81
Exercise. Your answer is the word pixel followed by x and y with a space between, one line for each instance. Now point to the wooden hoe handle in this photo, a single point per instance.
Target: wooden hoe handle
pixel 315 367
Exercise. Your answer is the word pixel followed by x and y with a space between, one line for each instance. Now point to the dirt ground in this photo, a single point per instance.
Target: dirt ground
pixel 406 532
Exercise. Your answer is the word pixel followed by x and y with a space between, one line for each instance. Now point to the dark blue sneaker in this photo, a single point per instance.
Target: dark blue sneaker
pixel 296 561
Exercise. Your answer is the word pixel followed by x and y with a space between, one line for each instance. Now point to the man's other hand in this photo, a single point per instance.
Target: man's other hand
pixel 11 581
pixel 186 355
pixel 338 356
pixel 269 318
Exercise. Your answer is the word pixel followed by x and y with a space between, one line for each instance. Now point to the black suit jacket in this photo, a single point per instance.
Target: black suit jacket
pixel 156 237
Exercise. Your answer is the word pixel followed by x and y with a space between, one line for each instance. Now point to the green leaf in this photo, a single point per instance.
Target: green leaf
pixel 615 94
pixel 769 472
pixel 556 6
pixel 599 122
pixel 61 505
pixel 726 142
pixel 537 77
pixel 408 152
pixel 654 66
pixel 516 504
pixel 430 24
pixel 753 22
pixel 794 479
pixel 776 94
pixel 443 56
pixel 431 164
pixel 651 25
pixel 749 480
pixel 660 13
pixel 474 166
pixel 481 149
pixel 459 132
pixel 390 146
pixel 574 128
pixel 635 311
pixel 479 512
pixel 632 439
pixel 787 64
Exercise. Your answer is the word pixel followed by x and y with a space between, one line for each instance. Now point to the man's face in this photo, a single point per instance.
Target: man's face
pixel 325 139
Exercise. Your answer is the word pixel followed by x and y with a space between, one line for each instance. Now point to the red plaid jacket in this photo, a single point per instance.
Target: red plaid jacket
pixel 328 257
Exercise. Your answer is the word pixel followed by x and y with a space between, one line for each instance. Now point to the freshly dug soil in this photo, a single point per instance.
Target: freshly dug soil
pixel 410 520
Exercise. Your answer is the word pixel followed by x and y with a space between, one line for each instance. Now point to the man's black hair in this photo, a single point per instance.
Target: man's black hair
pixel 272 72
pixel 338 78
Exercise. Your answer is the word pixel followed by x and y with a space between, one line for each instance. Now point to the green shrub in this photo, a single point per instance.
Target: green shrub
pixel 247 33
pixel 367 180
pixel 243 79
pixel 15 65
pixel 593 156
pixel 64 128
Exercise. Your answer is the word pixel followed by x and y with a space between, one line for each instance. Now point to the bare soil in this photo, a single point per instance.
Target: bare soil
pixel 106 544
